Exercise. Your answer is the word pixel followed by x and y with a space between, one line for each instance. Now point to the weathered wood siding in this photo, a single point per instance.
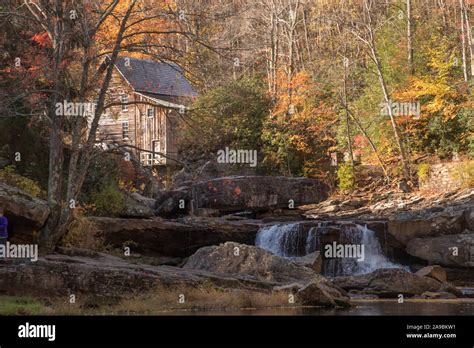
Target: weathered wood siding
pixel 111 122
pixel 158 133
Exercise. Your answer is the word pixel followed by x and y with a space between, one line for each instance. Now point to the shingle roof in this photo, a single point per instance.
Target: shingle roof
pixel 147 76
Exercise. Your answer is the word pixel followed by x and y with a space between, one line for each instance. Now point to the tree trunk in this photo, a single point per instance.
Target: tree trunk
pixel 409 38
pixel 469 35
pixel 366 135
pixel 56 150
pixel 348 125
pixel 463 42
pixel 62 215
pixel 396 131
pixel 386 94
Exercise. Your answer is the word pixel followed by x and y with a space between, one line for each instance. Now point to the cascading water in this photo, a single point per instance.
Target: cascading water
pixel 297 239
pixel 285 240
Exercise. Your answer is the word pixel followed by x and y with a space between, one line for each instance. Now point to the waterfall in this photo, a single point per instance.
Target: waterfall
pixel 299 239
pixel 283 240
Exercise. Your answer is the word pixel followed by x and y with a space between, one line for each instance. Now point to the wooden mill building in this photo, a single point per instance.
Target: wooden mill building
pixel 153 98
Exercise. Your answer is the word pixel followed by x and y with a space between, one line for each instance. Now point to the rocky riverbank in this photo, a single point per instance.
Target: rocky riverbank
pixel 430 237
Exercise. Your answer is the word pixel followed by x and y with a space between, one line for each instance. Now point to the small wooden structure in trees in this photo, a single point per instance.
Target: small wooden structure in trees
pixel 149 100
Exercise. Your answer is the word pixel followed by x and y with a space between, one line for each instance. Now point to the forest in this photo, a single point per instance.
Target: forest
pixel 163 128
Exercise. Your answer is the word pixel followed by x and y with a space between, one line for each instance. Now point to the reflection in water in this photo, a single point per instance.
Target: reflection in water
pixel 371 308
pixel 407 308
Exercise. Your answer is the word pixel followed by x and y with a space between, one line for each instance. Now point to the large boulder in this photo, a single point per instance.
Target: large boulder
pixel 138 206
pixel 257 192
pixel 312 260
pixel 388 283
pixel 436 272
pixel 251 261
pixel 318 293
pixel 238 193
pixel 177 238
pixel 172 202
pixel 450 251
pixel 26 214
pixel 444 223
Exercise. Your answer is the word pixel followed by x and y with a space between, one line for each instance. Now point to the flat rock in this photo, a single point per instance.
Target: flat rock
pixel 436 272
pixel 106 276
pixel 176 238
pixel 449 251
pixel 438 295
pixel 388 283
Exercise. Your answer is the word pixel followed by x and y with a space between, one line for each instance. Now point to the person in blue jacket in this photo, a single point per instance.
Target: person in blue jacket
pixel 3 227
